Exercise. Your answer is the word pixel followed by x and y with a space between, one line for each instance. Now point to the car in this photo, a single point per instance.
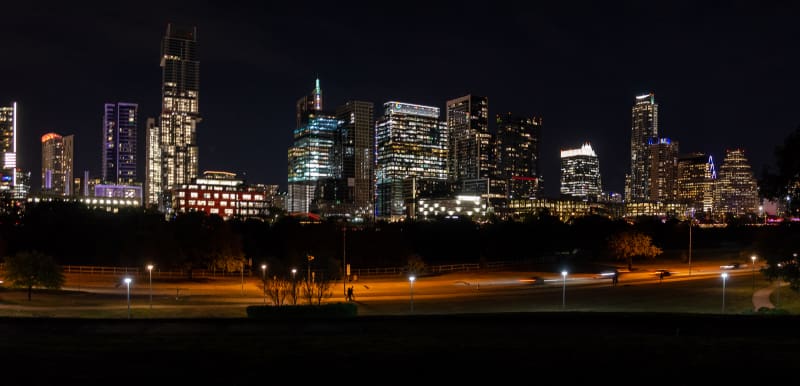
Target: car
pixel 533 280
pixel 662 273
pixel 733 265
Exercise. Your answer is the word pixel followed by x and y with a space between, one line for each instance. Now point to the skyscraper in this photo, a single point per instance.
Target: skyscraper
pixel 311 156
pixel 356 155
pixel 644 127
pixel 517 149
pixel 736 193
pixel 411 147
pixel 663 156
pixel 120 127
pixel 153 169
pixel 57 158
pixel 8 147
pixel 469 139
pixel 580 174
pixel 696 179
pixel 180 111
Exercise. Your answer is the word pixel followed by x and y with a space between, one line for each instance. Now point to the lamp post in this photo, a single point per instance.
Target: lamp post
pixel 691 220
pixel 264 281
pixel 411 287
pixel 778 295
pixel 753 268
pixel 128 284
pixel 150 274
pixel 344 261
pixel 564 290
pixel 724 277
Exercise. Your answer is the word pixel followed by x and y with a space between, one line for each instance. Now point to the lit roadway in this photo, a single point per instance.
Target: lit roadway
pixel 458 292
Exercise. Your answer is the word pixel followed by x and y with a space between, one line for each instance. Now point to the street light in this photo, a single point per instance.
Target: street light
pixel 264 281
pixel 753 258
pixel 411 286
pixel 778 295
pixel 564 290
pixel 150 274
pixel 128 284
pixel 294 273
pixel 724 277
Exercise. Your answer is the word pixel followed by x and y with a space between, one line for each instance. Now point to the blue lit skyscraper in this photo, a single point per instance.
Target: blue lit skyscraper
pixel 411 146
pixel 120 126
pixel 8 147
pixel 310 158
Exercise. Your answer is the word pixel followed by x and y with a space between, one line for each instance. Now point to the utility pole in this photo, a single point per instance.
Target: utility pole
pixel 344 260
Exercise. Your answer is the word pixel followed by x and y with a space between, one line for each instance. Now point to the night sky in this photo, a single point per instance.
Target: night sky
pixel 724 75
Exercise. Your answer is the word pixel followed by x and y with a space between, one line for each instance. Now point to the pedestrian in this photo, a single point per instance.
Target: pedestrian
pixel 615 279
pixel 350 294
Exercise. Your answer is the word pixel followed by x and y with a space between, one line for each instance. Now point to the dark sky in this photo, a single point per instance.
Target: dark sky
pixel 725 74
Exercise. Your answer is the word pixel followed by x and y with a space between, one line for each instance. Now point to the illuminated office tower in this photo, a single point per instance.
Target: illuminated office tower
pixel 57 157
pixel 310 158
pixel 180 113
pixel 8 147
pixel 120 127
pixel 517 155
pixel 663 156
pixel 411 145
pixel 355 160
pixel 696 179
pixel 469 140
pixel 580 174
pixel 153 170
pixel 644 127
pixel 737 192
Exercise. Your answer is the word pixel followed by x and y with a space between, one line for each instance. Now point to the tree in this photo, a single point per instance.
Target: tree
pixel 785 182
pixel 33 269
pixel 630 244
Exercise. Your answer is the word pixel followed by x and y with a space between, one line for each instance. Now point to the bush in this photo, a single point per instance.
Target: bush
pixel 323 311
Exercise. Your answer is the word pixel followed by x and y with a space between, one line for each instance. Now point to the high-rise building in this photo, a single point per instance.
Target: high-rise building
pixel 411 145
pixel 180 112
pixel 355 160
pixel 153 170
pixel 736 193
pixel 120 127
pixel 311 156
pixel 57 158
pixel 580 174
pixel 663 156
pixel 8 147
pixel 696 179
pixel 517 152
pixel 469 140
pixel 644 127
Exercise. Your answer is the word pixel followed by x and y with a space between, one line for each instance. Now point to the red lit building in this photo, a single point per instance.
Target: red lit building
pixel 223 194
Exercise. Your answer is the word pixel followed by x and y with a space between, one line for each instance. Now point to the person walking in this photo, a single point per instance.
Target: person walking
pixel 350 294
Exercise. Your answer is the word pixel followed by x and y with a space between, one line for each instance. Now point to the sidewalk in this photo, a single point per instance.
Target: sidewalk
pixel 761 298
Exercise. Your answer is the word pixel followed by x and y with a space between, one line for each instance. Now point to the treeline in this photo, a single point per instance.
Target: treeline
pixel 75 235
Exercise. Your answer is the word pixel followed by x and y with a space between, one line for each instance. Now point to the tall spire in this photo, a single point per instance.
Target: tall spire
pixel 317 96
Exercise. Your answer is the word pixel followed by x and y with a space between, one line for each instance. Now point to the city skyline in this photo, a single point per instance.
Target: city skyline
pixel 580 81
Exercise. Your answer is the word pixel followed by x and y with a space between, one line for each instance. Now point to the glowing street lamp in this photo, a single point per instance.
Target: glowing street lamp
pixel 564 289
pixel 264 281
pixel 724 278
pixel 411 286
pixel 128 284
pixel 150 274
pixel 753 268
pixel 778 295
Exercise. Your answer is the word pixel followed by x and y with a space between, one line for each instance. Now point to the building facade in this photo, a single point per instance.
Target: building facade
pixel 644 127
pixel 8 148
pixel 663 156
pixel 696 180
pixel 221 193
pixel 517 156
pixel 736 193
pixel 120 133
pixel 355 157
pixel 177 151
pixel 469 140
pixel 57 161
pixel 580 174
pixel 411 145
pixel 311 156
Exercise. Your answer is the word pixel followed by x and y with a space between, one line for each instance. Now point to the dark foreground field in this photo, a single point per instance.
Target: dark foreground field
pixel 524 348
